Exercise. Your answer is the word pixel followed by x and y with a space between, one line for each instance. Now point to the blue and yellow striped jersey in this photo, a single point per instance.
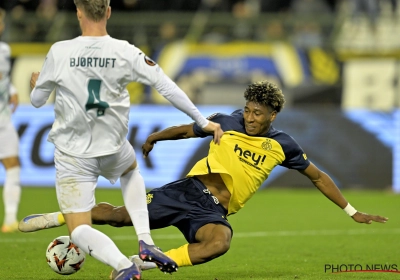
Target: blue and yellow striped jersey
pixel 245 162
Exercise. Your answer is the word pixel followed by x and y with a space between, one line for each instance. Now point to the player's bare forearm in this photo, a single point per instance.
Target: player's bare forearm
pixel 326 185
pixel 331 191
pixel 170 133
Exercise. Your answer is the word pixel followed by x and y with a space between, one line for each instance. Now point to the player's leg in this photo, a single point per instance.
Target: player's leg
pixel 76 181
pixel 124 165
pixel 213 240
pixel 11 194
pixel 96 243
pixel 184 204
pixel 35 222
pixel 134 194
pixel 204 227
pixel 105 213
pixel 12 188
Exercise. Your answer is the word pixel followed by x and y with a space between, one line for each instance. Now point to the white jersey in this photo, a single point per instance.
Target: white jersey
pixel 5 85
pixel 90 75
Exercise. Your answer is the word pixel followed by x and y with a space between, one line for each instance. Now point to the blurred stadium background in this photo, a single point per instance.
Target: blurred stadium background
pixel 336 61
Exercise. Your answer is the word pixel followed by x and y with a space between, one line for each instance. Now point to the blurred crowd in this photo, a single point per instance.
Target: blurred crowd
pixel 304 23
pixel 177 5
pixel 329 25
pixel 50 14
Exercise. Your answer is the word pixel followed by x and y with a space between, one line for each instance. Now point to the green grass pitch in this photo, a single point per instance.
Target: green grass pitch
pixel 279 234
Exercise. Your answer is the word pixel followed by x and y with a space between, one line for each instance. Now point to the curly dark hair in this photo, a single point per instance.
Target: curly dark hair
pixel 265 93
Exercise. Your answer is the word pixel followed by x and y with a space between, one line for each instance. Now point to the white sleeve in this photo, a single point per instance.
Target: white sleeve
pixel 147 72
pixel 170 90
pixel 45 83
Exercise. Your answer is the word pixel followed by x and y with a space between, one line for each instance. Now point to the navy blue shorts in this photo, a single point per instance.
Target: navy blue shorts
pixel 186 204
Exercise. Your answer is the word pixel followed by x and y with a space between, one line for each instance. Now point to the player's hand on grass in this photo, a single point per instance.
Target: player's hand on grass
pixel 365 218
pixel 34 77
pixel 214 128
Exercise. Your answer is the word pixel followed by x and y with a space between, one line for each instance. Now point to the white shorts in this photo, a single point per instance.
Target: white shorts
pixel 8 141
pixel 76 178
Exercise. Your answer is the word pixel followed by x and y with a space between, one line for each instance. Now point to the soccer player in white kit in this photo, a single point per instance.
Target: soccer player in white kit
pixel 8 138
pixel 89 75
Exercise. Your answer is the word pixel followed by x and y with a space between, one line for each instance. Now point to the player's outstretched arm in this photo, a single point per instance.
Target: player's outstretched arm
pixel 171 133
pixel 326 185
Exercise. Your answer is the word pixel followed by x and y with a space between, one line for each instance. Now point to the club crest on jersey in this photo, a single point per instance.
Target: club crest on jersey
pixel 149 197
pixel 267 145
pixel 149 61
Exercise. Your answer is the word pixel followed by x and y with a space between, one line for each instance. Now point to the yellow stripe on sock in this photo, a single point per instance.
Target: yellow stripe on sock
pixel 180 255
pixel 60 218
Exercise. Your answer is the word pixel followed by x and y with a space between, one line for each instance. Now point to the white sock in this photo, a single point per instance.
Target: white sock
pixel 134 194
pixel 11 194
pixel 99 246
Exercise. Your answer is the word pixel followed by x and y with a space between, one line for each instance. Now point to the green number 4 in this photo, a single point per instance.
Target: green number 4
pixel 94 101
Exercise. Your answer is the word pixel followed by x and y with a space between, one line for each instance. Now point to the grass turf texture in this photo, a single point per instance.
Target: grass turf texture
pixel 280 234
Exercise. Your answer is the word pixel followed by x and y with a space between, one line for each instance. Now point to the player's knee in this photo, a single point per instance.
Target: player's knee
pixel 221 246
